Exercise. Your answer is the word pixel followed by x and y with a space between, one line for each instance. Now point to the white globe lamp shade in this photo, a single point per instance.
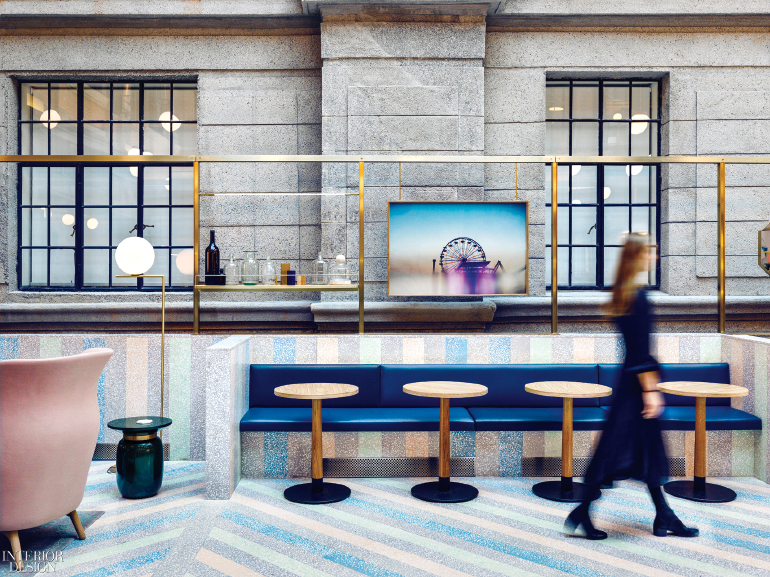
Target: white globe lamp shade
pixel 135 255
pixel 169 126
pixel 185 261
pixel 50 119
pixel 68 219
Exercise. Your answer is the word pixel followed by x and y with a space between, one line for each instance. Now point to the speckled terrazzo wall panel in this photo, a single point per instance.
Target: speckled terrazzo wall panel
pixel 198 396
pixel 115 373
pixel 98 343
pixel 180 357
pixel 9 348
pixel 49 348
pixel 29 346
pixel 137 366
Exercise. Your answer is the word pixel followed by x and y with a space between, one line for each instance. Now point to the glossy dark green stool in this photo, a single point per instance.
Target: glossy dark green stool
pixel 139 461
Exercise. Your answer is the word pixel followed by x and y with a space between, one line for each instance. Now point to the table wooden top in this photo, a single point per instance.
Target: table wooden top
pixel 445 389
pixel 693 389
pixel 316 391
pixel 568 389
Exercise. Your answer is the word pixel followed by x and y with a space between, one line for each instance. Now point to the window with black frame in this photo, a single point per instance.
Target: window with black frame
pixel 600 204
pixel 71 218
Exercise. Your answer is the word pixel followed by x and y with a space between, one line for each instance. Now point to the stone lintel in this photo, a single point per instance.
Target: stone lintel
pixel 405 312
pixel 623 22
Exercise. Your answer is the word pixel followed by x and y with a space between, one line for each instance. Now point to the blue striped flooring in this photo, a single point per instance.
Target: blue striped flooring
pixel 381 531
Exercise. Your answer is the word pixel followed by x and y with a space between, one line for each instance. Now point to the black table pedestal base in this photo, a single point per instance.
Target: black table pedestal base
pixel 444 491
pixel 699 490
pixel 565 491
pixel 317 492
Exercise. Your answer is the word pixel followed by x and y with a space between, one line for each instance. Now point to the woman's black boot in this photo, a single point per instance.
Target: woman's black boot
pixel 666 520
pixel 580 517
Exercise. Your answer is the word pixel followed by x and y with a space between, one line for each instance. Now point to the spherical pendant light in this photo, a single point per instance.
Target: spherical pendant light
pixel 185 261
pixel 135 255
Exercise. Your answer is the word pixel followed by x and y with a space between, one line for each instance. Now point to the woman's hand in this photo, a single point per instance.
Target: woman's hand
pixel 651 396
pixel 653 404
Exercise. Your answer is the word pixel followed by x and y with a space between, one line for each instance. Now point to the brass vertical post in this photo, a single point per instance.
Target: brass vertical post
pixel 196 245
pixel 162 345
pixel 721 244
pixel 554 247
pixel 361 248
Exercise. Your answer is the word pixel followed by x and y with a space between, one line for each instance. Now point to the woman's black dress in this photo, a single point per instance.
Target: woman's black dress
pixel 631 445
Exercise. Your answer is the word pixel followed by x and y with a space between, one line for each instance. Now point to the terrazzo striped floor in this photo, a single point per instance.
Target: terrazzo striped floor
pixel 381 531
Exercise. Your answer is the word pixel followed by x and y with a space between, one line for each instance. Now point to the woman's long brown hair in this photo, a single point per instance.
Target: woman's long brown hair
pixel 631 263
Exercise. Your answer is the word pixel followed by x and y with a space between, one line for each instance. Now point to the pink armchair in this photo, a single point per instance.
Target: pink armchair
pixel 49 424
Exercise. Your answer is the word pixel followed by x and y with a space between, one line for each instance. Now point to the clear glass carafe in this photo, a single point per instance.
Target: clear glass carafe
pixel 250 268
pixel 268 272
pixel 339 272
pixel 232 273
pixel 319 271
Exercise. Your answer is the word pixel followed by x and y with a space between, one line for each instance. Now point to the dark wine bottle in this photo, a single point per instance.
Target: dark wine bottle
pixel 212 262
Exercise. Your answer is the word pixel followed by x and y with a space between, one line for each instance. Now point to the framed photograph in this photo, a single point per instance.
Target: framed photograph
pixel 456 248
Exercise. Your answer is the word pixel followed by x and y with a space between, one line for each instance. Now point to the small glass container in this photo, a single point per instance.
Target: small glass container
pixel 319 271
pixel 268 272
pixel 250 268
pixel 232 273
pixel 339 272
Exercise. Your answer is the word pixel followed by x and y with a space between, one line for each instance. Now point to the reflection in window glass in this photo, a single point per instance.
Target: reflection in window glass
pixel 600 204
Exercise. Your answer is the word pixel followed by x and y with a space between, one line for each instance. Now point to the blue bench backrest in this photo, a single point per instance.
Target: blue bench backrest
pixel 265 378
pixel 505 383
pixel 609 375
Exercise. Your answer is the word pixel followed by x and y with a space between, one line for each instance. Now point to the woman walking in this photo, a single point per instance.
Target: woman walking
pixel 631 443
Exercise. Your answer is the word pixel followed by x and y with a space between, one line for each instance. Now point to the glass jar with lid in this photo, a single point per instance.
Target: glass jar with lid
pixel 339 272
pixel 319 271
pixel 250 268
pixel 232 273
pixel 268 272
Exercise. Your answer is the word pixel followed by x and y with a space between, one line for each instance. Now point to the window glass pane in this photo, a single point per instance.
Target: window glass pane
pixel 34 226
pixel 177 278
pixel 34 270
pixel 96 139
pixel 640 219
pixel 96 185
pixel 182 185
pixel 63 185
pixel 124 186
pixel 97 228
pixel 125 102
pixel 64 138
pixel 640 139
pixel 642 184
pixel 583 184
pixel 563 265
pixel 557 101
pixel 585 100
pixel 125 139
pixel 583 225
pixel 642 102
pixel 160 266
pixel 157 235
pixel 157 140
pixel 563 226
pixel 557 138
pixel 123 220
pixel 34 100
pixel 157 100
pixel 585 139
pixel 615 224
pixel 616 102
pixel 653 224
pixel 34 185
pixel 182 227
pixel 583 266
pixel 156 185
pixel 615 139
pixel 186 101
pixel 611 258
pixel 124 282
pixel 34 138
pixel 64 102
pixel 96 102
pixel 62 226
pixel 63 268
pixel 96 267
pixel 616 183
pixel 186 140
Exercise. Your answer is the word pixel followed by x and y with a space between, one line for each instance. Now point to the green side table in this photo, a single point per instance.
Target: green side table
pixel 139 462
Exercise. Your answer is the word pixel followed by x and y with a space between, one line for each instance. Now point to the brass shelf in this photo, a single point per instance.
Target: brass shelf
pixel 277 288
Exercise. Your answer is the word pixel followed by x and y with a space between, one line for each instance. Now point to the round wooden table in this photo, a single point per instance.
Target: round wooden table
pixel 698 489
pixel 566 490
pixel 444 490
pixel 316 492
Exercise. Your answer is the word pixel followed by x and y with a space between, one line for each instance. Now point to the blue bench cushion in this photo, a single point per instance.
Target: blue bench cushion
pixel 354 419
pixel 263 380
pixel 609 375
pixel 717 419
pixel 505 383
pixel 536 419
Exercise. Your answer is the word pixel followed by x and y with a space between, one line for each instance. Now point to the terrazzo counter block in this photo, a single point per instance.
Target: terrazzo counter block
pixel 227 381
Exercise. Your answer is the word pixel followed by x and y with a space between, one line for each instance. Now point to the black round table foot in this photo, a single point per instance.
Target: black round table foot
pixel 553 491
pixel 705 493
pixel 329 493
pixel 455 493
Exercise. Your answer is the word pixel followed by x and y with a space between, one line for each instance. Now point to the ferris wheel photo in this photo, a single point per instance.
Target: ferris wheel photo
pixel 457 248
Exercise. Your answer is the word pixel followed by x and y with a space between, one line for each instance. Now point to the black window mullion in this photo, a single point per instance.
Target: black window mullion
pixel 48 134
pixel 50 219
pixel 140 178
pixel 109 213
pixel 79 226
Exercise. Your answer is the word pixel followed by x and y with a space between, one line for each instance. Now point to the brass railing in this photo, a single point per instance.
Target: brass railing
pixel 554 161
